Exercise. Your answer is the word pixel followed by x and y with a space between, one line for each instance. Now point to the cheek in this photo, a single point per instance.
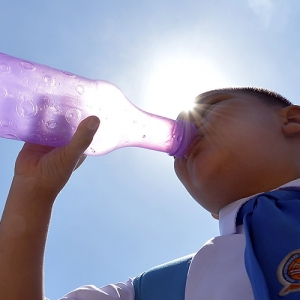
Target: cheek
pixel 235 147
pixel 223 147
pixel 185 173
pixel 180 169
pixel 229 133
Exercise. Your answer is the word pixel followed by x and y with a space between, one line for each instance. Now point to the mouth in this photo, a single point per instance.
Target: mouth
pixel 192 146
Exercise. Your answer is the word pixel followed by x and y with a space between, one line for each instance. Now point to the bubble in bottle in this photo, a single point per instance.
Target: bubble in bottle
pixel 6 122
pixel 52 125
pixel 4 68
pixel 27 108
pixel 73 116
pixel 9 136
pixel 80 89
pixel 3 92
pixel 27 65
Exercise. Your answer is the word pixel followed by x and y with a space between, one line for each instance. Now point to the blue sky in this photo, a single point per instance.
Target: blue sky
pixel 125 212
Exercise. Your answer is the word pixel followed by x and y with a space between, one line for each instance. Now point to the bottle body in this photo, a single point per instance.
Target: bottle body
pixel 42 105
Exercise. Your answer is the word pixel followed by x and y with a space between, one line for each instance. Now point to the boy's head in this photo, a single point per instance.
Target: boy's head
pixel 248 142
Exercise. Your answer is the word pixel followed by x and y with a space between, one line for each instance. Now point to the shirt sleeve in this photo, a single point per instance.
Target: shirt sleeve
pixel 123 291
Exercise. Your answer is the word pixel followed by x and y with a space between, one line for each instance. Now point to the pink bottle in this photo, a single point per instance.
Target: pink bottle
pixel 42 105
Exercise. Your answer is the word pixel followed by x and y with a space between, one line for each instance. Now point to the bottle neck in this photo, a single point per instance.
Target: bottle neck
pixel 158 133
pixel 184 132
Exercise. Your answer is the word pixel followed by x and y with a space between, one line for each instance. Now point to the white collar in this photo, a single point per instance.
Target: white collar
pixel 228 213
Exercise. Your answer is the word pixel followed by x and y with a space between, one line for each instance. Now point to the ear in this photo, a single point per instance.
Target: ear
pixel 291 117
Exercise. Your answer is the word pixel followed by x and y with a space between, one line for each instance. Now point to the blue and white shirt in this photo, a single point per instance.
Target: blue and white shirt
pixel 217 271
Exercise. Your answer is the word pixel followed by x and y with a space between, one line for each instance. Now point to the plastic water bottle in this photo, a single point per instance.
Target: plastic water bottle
pixel 42 105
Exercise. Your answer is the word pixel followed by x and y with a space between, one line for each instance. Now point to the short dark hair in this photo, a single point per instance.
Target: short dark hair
pixel 269 97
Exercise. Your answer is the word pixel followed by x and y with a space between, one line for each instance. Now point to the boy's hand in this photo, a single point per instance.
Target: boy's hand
pixel 40 174
pixel 50 168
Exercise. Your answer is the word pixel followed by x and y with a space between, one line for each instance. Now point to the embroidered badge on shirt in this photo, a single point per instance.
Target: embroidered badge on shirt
pixel 288 273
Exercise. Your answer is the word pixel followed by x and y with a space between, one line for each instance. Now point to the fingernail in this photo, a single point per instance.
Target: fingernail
pixel 93 124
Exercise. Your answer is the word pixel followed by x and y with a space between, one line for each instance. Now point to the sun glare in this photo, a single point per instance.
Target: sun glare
pixel 175 82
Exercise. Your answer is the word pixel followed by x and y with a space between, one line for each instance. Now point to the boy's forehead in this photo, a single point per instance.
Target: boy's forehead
pixel 208 97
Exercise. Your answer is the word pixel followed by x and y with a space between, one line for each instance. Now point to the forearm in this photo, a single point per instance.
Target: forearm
pixel 23 231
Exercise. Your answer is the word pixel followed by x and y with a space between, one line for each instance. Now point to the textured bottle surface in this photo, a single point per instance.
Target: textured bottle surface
pixel 39 104
pixel 43 105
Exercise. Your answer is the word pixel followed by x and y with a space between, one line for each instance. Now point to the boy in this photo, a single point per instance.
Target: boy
pixel 248 143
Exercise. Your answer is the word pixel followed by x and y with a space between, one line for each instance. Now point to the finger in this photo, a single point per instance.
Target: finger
pixel 80 161
pixel 82 138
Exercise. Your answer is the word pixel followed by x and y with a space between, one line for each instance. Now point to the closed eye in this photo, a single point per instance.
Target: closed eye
pixel 205 111
pixel 207 108
pixel 199 111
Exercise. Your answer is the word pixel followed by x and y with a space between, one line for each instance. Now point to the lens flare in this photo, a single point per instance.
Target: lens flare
pixel 175 82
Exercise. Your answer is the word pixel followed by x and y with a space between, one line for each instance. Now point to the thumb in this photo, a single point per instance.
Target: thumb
pixel 82 138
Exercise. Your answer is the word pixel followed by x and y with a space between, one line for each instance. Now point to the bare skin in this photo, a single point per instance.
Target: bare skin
pixel 243 147
pixel 232 158
pixel 40 174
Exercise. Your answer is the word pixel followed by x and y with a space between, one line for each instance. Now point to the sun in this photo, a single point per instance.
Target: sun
pixel 174 83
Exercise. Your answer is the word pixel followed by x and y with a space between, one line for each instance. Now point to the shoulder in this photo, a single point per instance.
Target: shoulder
pixel 163 279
